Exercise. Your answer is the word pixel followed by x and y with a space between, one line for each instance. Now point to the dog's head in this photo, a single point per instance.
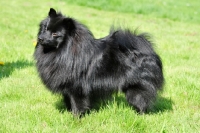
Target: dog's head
pixel 55 29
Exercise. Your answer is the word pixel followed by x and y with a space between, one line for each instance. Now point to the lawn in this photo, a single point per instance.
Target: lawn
pixel 27 106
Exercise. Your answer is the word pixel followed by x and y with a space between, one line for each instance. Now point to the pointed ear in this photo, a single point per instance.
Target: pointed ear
pixel 69 24
pixel 52 12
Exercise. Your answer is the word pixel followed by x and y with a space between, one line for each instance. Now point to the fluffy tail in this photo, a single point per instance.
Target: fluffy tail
pixel 128 40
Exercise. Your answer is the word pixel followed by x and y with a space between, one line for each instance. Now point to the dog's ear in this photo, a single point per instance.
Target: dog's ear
pixel 69 24
pixel 52 12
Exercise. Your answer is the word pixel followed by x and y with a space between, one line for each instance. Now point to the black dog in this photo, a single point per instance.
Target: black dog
pixel 72 62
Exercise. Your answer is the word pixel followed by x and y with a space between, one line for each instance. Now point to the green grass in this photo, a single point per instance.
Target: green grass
pixel 183 10
pixel 27 106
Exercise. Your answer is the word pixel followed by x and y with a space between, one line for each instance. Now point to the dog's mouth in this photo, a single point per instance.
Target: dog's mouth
pixel 48 45
pixel 48 48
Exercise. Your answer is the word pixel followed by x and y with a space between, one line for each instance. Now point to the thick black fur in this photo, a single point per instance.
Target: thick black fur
pixel 72 62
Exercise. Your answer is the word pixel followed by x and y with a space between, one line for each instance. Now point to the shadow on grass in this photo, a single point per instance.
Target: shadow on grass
pixel 60 105
pixel 161 104
pixel 7 69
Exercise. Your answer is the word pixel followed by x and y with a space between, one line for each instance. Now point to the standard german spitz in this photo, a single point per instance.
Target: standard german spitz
pixel 70 61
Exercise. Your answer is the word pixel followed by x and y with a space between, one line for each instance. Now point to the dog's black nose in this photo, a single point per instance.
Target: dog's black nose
pixel 40 39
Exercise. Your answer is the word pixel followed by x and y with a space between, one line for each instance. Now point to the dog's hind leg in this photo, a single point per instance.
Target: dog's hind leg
pixel 140 97
pixel 150 79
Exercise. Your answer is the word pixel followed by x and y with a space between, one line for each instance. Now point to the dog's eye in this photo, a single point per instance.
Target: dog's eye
pixel 54 34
